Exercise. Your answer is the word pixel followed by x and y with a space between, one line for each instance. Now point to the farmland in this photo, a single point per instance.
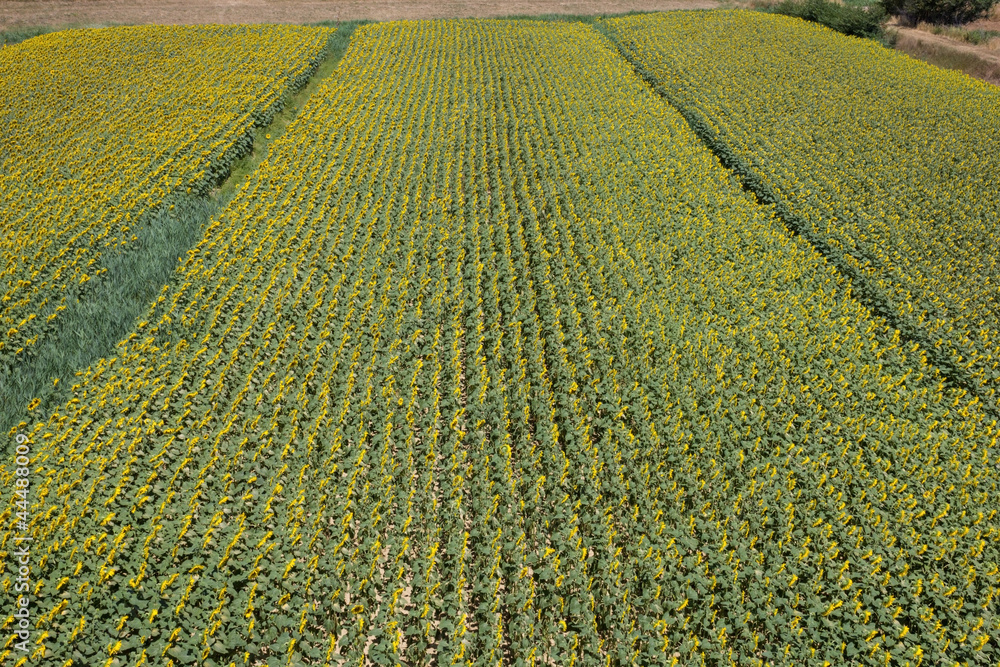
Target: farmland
pixel 888 174
pixel 500 357
pixel 124 123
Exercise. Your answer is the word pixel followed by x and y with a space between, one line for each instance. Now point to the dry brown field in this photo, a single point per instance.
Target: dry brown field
pixel 17 13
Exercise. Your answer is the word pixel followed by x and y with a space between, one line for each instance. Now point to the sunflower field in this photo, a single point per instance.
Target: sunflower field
pixel 493 362
pixel 101 127
pixel 888 163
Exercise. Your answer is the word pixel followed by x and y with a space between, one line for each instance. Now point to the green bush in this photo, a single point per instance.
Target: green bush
pixel 18 35
pixel 850 20
pixel 939 11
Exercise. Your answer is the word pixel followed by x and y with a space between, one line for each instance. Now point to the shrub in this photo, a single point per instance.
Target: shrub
pixel 939 11
pixel 856 21
pixel 18 35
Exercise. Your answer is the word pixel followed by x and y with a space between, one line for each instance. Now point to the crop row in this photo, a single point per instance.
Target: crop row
pixel 491 362
pixel 101 127
pixel 886 163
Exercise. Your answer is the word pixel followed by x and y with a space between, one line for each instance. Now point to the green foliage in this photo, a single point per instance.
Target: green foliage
pixel 977 36
pixel 293 101
pixel 980 36
pixel 692 60
pixel 939 11
pixel 337 45
pixel 493 362
pixel 857 21
pixel 130 276
pixel 17 35
pixel 828 125
pixel 92 327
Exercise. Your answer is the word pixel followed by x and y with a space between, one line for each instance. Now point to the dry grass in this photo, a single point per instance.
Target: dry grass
pixel 60 13
pixel 979 62
pixel 975 36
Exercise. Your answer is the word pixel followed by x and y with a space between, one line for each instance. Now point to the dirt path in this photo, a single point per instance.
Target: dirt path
pixel 21 13
pixel 981 62
pixel 942 42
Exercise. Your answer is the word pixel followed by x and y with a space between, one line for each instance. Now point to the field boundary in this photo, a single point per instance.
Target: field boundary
pixel 92 329
pixel 861 289
pixel 941 51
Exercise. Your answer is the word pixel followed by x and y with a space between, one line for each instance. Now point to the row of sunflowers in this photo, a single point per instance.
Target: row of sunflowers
pixel 492 362
pixel 887 163
pixel 101 127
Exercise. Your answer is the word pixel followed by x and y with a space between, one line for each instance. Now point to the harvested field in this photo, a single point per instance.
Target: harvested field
pixel 166 12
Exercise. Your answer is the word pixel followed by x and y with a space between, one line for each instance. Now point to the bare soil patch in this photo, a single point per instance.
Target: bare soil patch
pixel 991 22
pixel 71 13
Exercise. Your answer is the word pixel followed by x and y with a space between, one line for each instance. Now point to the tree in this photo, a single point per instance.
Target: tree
pixel 939 11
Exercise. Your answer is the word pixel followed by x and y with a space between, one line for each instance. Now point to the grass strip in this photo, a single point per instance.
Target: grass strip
pixel 293 103
pixel 861 289
pixel 17 35
pixel 92 329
